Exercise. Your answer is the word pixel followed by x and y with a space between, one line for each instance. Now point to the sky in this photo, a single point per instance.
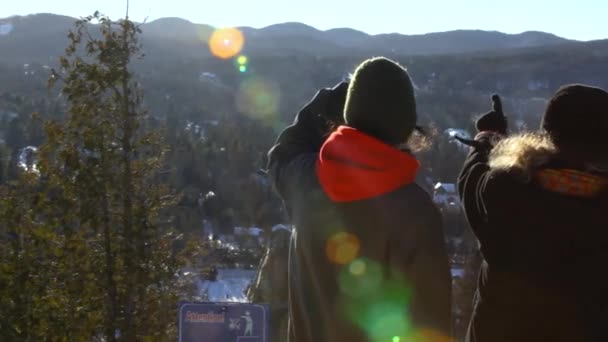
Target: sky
pixel 580 19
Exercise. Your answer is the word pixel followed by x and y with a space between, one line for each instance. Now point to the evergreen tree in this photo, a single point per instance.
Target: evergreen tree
pixel 85 246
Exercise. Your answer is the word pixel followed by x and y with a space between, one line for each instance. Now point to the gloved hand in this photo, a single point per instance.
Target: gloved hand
pixel 495 120
pixel 334 109
pixel 327 108
pixel 491 127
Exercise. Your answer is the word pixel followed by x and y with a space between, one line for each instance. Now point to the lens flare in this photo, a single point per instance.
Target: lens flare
pixel 427 335
pixel 357 267
pixel 360 278
pixel 241 63
pixel 226 42
pixel 377 301
pixel 381 318
pixel 387 321
pixel 242 60
pixel 342 248
pixel 258 98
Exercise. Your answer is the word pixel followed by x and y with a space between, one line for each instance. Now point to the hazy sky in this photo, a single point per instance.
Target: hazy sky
pixel 580 19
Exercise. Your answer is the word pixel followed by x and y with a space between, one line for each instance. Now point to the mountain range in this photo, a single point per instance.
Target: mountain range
pixel 42 37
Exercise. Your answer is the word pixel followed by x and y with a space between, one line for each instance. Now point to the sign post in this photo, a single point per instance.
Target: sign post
pixel 224 322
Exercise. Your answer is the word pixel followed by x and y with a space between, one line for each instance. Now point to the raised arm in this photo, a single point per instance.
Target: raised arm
pixel 291 161
pixel 492 127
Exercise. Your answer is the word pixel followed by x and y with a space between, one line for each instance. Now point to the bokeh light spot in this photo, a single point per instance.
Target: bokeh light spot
pixel 357 267
pixel 377 302
pixel 242 60
pixel 226 42
pixel 258 98
pixel 387 320
pixel 361 278
pixel 428 335
pixel 396 339
pixel 243 68
pixel 342 248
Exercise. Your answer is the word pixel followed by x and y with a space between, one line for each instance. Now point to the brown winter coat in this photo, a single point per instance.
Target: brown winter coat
pixel 361 267
pixel 545 250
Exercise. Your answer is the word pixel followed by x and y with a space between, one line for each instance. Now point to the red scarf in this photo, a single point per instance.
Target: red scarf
pixel 353 166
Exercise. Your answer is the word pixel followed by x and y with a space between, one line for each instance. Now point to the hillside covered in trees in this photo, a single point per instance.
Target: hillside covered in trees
pixel 219 117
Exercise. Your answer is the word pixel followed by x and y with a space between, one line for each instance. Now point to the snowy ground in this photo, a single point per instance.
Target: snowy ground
pixel 230 286
pixel 457 272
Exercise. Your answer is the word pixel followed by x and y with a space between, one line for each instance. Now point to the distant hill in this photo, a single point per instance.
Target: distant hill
pixel 454 72
pixel 463 41
pixel 41 38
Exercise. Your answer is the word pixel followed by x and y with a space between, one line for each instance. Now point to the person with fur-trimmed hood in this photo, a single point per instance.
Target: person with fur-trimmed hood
pixel 538 204
pixel 367 260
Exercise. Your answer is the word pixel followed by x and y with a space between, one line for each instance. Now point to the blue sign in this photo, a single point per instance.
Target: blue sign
pixel 224 322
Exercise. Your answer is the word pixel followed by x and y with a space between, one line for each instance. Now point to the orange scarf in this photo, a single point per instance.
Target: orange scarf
pixel 571 182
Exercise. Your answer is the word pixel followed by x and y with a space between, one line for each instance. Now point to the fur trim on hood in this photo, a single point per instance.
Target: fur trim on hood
pixel 523 154
pixel 525 157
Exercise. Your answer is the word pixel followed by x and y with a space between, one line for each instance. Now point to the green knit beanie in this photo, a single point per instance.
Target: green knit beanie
pixel 380 101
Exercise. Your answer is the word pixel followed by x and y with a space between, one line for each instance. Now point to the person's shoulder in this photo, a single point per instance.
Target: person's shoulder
pixel 414 214
pixel 412 198
pixel 516 159
pixel 503 183
pixel 413 190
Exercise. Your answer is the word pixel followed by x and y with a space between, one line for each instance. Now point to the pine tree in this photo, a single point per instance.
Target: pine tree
pixel 85 248
pixel 106 166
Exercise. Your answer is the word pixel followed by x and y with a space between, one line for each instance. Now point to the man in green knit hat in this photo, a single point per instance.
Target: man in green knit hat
pixel 367 258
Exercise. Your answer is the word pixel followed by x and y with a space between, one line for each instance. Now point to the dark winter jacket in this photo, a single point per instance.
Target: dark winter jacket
pixel 367 257
pixel 543 233
pixel 270 284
